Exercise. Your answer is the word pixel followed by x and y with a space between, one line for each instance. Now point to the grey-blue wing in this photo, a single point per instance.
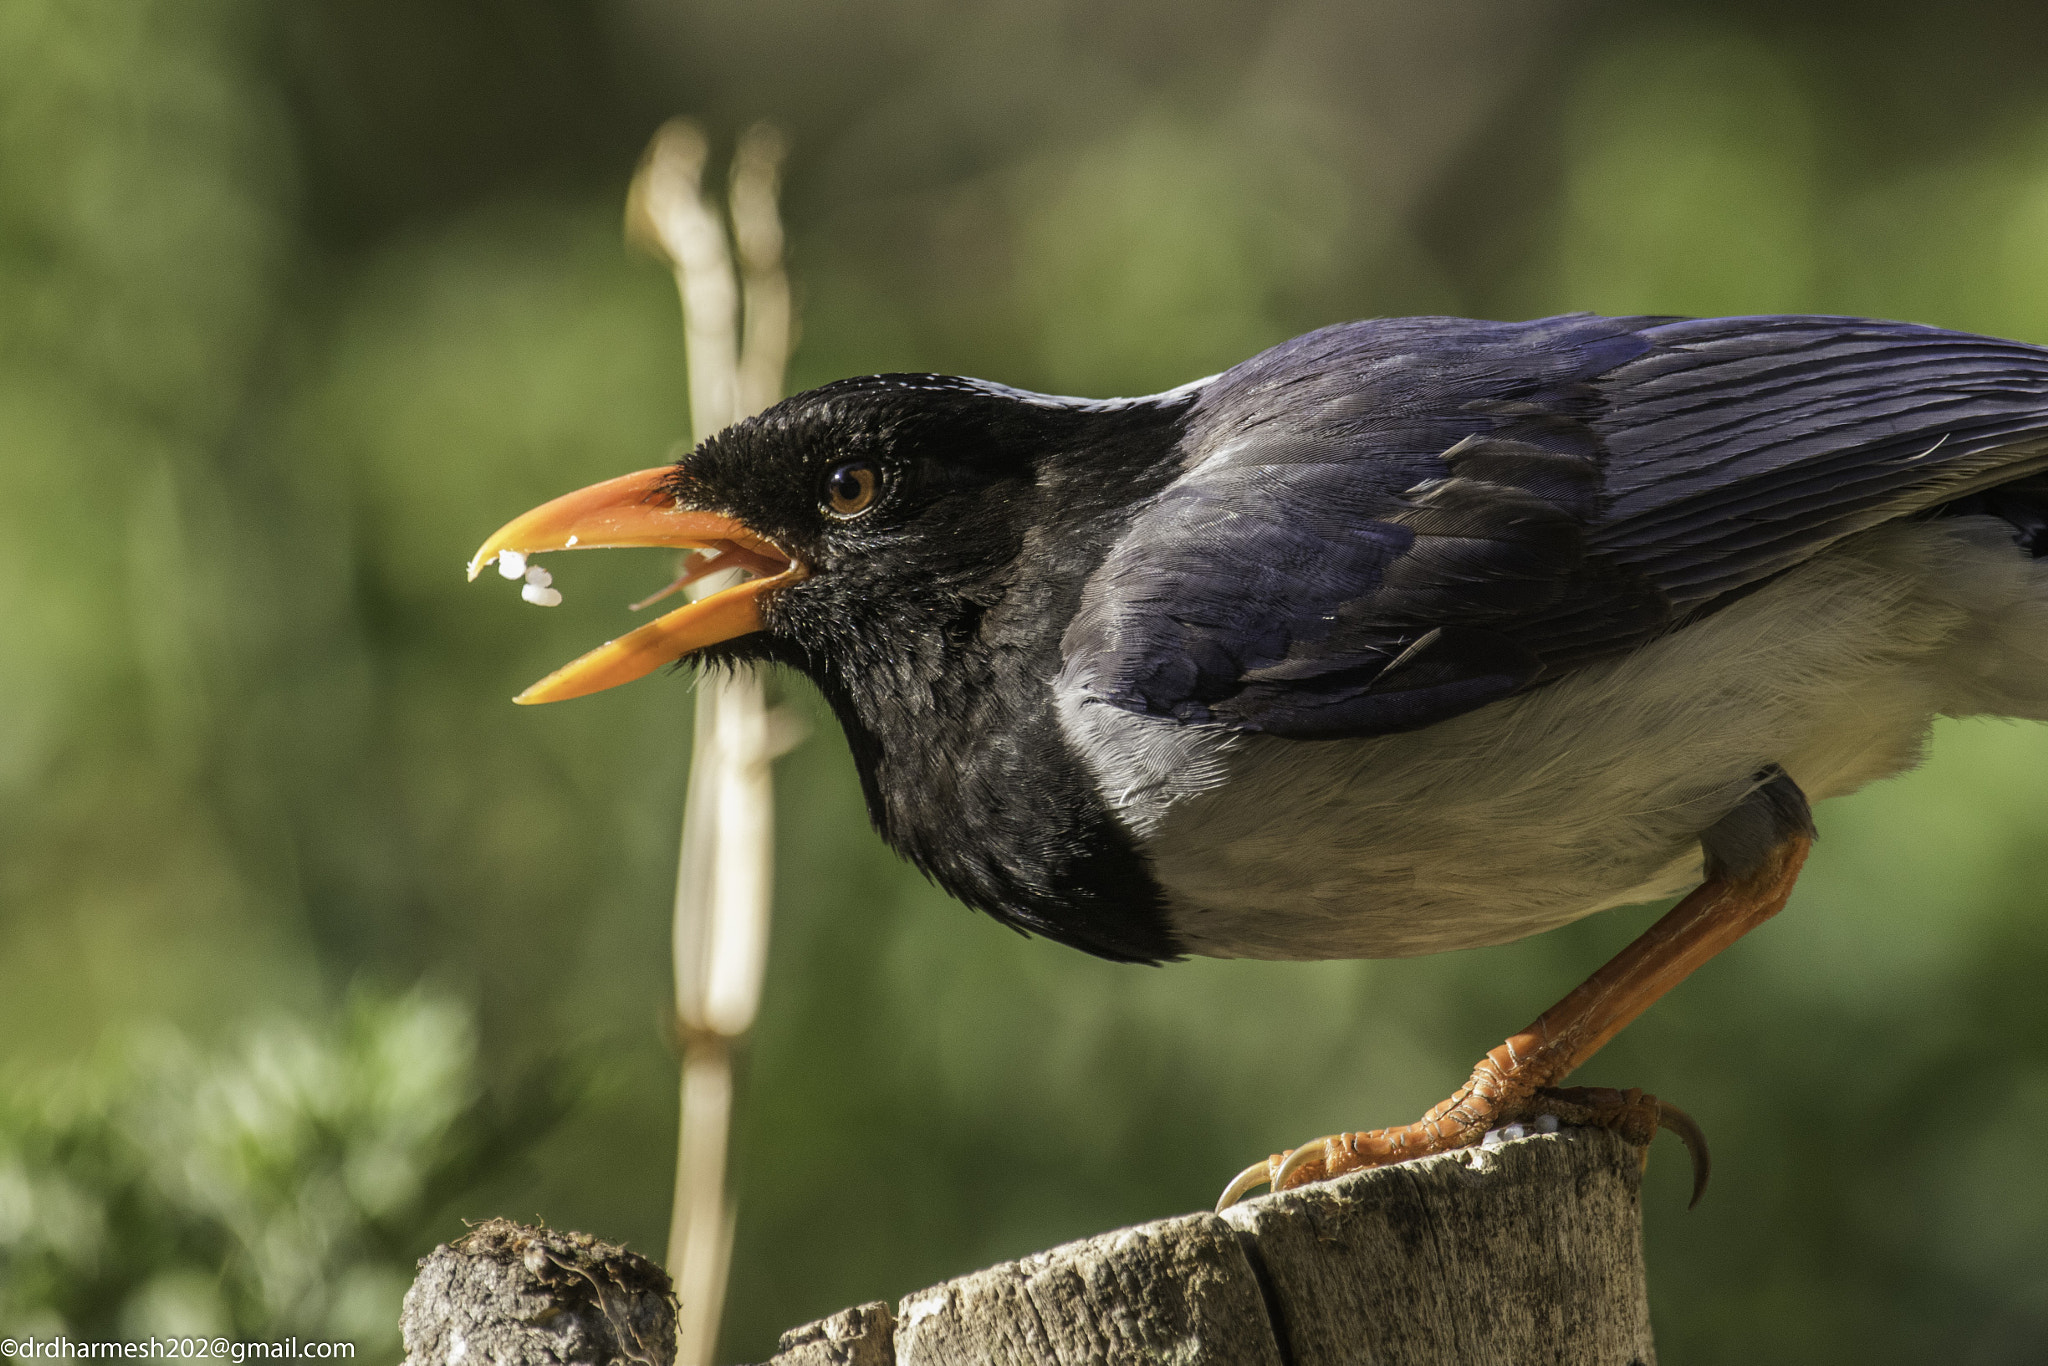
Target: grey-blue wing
pixel 1386 524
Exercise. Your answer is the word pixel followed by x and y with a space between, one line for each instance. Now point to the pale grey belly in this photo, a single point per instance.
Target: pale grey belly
pixel 1591 793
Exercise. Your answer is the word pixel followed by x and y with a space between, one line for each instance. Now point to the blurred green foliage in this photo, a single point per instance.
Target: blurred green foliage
pixel 297 302
pixel 273 1188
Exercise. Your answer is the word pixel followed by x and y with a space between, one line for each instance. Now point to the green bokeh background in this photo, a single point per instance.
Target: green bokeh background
pixel 298 301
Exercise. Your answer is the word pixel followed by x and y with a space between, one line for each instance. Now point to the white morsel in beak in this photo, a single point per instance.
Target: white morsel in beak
pixel 537 590
pixel 511 563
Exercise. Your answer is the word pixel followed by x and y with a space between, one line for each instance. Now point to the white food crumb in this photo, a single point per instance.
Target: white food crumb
pixel 511 563
pixel 541 597
pixel 538 577
pixel 1512 1132
pixel 1491 1140
pixel 1546 1124
pixel 571 541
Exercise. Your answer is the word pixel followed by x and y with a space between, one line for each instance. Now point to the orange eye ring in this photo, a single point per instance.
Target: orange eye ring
pixel 851 487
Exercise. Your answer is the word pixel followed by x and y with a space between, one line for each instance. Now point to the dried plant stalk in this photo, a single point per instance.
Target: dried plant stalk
pixel 757 231
pixel 666 212
pixel 723 880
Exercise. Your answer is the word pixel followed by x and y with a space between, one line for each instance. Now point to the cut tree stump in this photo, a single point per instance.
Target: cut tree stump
pixel 508 1295
pixel 1526 1253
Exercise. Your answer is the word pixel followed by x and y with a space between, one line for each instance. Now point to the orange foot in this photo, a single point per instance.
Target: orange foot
pixel 1472 1117
pixel 1518 1081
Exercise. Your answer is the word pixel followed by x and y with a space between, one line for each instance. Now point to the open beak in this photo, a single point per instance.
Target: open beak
pixel 636 510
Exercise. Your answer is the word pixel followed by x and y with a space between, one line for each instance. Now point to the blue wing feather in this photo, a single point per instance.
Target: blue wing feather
pixel 1384 524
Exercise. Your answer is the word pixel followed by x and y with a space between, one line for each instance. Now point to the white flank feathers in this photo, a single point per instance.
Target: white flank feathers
pixel 1591 792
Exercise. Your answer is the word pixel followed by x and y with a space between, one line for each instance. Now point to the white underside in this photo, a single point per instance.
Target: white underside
pixel 1591 792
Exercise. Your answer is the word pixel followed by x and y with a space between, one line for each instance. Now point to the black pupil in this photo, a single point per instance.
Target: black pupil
pixel 847 485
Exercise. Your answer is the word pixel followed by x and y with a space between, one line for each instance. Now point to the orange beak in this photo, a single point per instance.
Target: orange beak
pixel 635 510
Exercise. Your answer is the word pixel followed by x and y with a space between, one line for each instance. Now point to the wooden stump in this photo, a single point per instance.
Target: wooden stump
pixel 1522 1254
pixel 1527 1253
pixel 508 1295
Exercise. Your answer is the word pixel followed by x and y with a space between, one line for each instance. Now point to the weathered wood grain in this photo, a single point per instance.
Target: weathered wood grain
pixel 1179 1290
pixel 1528 1253
pixel 508 1295
pixel 1523 1254
pixel 862 1336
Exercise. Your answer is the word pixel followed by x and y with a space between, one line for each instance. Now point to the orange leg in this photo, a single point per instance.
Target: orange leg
pixel 1519 1079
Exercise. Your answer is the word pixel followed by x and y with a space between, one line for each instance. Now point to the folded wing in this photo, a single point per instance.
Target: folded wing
pixel 1386 524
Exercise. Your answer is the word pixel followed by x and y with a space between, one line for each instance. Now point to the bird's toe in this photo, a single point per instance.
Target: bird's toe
pixel 1471 1121
pixel 1637 1117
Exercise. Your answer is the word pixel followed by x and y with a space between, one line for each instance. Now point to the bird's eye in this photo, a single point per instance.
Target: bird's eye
pixel 851 487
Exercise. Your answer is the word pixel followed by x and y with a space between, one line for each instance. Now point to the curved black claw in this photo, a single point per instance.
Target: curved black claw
pixel 1633 1115
pixel 1694 1138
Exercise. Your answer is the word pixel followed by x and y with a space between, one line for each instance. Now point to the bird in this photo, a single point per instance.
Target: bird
pixel 1403 636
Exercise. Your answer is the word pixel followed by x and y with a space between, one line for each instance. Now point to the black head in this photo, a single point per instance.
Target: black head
pixel 909 497
pixel 947 527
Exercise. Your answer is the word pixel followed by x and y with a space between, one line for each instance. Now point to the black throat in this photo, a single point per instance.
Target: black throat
pixel 946 697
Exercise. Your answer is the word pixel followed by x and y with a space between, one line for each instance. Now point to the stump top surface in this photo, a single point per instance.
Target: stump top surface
pixel 509 1295
pixel 1530 1252
pixel 1527 1252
